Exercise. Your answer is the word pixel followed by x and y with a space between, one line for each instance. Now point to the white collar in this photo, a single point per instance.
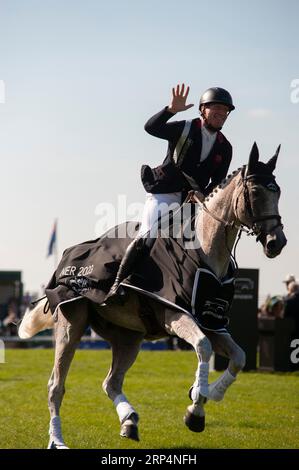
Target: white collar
pixel 208 134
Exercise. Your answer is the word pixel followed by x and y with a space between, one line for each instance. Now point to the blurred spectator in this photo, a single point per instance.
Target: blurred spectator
pixel 12 312
pixel 293 288
pixel 272 308
pixel 26 302
pixel 292 307
pixel 9 323
pixel 262 310
pixel 290 279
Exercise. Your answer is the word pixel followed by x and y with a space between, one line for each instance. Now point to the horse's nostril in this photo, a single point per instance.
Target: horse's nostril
pixel 271 245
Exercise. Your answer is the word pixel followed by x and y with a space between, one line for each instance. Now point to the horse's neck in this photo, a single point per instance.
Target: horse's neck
pixel 216 241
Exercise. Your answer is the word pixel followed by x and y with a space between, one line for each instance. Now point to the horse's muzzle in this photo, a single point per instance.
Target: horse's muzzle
pixel 274 243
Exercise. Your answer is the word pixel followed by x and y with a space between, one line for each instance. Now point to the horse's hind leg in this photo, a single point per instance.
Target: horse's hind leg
pixel 69 328
pixel 184 326
pixel 224 345
pixel 125 347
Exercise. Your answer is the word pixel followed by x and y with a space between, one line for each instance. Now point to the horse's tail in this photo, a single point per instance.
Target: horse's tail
pixel 35 320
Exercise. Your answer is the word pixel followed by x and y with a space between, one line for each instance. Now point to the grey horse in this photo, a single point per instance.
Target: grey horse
pixel 242 199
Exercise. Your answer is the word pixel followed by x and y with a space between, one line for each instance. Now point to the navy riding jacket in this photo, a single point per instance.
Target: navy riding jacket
pixel 168 177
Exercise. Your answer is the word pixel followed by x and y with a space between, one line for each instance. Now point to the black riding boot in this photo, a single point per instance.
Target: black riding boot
pixel 132 254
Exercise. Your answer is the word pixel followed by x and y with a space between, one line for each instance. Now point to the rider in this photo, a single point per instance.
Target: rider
pixel 201 165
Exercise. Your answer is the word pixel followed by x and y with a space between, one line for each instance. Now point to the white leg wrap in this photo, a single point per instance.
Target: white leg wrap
pixel 201 384
pixel 55 432
pixel 124 408
pixel 218 388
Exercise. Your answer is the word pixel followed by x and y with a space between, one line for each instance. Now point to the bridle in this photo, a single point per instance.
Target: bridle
pixel 254 230
pixel 259 232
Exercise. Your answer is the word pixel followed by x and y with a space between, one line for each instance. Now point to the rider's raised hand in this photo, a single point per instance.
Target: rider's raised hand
pixel 179 97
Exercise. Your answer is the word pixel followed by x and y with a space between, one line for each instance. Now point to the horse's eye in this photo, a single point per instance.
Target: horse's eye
pixel 255 191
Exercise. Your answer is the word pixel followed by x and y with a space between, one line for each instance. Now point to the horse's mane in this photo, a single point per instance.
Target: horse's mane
pixel 224 182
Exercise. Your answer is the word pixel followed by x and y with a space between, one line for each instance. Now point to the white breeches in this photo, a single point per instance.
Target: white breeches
pixel 158 205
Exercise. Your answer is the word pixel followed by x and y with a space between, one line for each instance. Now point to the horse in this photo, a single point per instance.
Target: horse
pixel 247 198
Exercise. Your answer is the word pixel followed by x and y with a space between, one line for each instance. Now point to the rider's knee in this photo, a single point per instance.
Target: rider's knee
pixel 147 243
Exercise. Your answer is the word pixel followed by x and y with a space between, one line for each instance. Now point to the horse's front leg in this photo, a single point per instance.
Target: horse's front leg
pixel 224 345
pixel 184 327
pixel 70 326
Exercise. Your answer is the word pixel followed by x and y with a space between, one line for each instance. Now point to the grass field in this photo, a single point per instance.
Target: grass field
pixel 261 410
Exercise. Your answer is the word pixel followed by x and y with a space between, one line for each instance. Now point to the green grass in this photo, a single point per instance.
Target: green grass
pixel 259 411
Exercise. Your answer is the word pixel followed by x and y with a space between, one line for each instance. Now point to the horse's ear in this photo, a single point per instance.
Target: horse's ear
pixel 253 159
pixel 272 162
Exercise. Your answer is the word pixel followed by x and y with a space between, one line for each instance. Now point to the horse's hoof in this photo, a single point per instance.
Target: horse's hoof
pixel 130 431
pixel 193 422
pixel 53 445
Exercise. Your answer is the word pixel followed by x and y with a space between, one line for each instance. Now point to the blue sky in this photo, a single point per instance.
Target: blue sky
pixel 82 78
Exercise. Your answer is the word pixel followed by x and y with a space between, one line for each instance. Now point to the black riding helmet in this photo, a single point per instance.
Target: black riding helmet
pixel 217 95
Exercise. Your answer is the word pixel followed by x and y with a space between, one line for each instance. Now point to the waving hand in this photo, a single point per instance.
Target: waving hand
pixel 179 97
